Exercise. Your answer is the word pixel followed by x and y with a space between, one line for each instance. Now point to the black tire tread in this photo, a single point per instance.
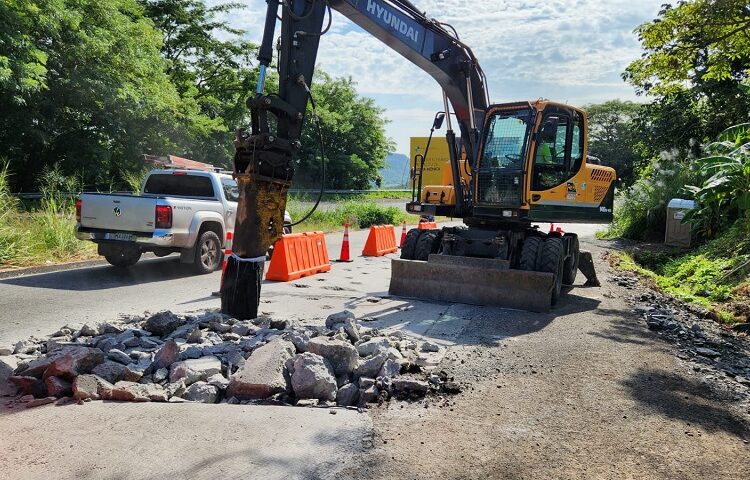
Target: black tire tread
pixel 553 253
pixel 530 253
pixel 410 244
pixel 570 270
pixel 426 244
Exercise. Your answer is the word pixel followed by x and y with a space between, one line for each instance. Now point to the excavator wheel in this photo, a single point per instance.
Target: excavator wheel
pixel 571 263
pixel 410 243
pixel 552 261
pixel 530 253
pixel 428 242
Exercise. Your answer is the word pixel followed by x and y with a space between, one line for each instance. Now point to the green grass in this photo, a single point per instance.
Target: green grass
pixel 41 234
pixel 357 213
pixel 715 275
pixel 338 197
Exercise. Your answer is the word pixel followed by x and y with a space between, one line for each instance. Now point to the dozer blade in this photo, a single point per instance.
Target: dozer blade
pixel 476 281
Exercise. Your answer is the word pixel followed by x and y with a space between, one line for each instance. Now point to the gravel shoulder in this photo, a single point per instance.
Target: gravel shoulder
pixel 585 392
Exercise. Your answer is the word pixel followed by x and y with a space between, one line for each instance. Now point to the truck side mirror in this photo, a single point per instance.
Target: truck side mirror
pixel 438 123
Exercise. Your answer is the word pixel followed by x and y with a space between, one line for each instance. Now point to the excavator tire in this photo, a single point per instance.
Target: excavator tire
pixel 571 263
pixel 428 242
pixel 551 260
pixel 530 253
pixel 410 244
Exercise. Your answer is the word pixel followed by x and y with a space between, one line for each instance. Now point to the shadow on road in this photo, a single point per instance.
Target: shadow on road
pixel 104 277
pixel 273 462
pixel 465 324
pixel 686 399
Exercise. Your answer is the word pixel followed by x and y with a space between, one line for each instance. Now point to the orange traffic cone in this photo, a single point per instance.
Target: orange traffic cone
pixel 344 257
pixel 403 236
pixel 227 254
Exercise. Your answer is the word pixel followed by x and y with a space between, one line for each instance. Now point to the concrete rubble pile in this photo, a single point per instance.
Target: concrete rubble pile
pixel 212 358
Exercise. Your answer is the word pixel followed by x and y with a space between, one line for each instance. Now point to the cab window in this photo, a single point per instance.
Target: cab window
pixel 551 158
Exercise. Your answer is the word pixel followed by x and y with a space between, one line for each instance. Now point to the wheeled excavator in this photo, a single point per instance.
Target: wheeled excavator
pixel 511 165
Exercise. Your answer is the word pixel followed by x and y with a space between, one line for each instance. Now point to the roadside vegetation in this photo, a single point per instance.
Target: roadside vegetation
pixel 359 214
pixel 691 141
pixel 42 232
pixel 91 86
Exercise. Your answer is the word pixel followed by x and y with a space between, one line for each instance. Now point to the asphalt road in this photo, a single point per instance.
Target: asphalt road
pixel 39 304
pixel 585 391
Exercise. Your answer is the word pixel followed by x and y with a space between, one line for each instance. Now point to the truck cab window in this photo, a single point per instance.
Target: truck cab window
pixel 179 185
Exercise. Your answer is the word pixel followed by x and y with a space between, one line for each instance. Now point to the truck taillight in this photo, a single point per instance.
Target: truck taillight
pixel 78 210
pixel 163 216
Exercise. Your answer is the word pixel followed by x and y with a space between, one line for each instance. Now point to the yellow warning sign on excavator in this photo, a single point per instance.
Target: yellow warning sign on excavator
pixel 437 159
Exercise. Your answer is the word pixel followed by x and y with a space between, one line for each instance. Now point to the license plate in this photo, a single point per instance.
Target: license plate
pixel 121 237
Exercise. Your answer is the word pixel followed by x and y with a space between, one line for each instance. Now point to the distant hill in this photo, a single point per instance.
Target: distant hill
pixel 396 171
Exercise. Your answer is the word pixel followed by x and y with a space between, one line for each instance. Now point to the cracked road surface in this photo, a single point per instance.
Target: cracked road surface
pixel 585 391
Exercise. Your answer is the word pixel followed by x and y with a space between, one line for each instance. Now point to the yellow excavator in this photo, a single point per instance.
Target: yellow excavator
pixel 511 165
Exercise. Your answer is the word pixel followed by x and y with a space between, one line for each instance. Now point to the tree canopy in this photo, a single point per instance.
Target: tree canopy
pixel 91 86
pixel 353 130
pixel 696 63
pixel 612 138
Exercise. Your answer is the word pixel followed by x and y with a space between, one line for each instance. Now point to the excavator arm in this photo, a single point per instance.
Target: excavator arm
pixel 265 154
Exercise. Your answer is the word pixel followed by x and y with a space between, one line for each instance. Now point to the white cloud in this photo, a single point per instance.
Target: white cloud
pixel 568 50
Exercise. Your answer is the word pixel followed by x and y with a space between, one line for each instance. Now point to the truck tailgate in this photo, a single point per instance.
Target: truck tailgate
pixel 127 213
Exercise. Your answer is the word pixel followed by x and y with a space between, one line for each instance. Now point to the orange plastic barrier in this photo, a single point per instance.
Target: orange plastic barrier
pixel 298 255
pixel 381 241
pixel 427 225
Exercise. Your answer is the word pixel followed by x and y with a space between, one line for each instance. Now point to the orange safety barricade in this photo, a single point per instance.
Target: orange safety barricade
pixel 427 225
pixel 298 255
pixel 381 241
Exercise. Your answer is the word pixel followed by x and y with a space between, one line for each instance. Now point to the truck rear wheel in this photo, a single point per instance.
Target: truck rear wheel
pixel 208 252
pixel 428 242
pixel 551 260
pixel 410 244
pixel 123 257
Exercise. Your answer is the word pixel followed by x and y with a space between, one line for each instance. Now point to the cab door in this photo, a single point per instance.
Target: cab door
pixel 557 156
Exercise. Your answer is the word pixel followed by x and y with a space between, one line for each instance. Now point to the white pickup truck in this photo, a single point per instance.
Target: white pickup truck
pixel 185 211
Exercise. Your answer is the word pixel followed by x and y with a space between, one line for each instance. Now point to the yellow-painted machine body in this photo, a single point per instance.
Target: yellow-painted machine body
pixel 532 164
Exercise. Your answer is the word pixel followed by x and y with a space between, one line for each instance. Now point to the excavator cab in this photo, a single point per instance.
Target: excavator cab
pixel 531 167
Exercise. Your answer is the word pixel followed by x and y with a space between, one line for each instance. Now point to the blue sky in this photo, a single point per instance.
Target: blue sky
pixel 567 50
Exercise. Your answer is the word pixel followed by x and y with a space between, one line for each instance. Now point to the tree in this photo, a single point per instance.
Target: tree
pixel 209 64
pixel 354 137
pixel 612 137
pixel 99 97
pixel 697 59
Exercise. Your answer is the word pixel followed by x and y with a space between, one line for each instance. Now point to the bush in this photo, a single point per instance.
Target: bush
pixel 44 233
pixel 357 213
pixel 709 274
pixel 641 210
pixel 724 193
pixel 11 245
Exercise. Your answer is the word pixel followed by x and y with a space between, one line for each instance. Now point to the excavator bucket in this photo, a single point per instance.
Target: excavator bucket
pixel 476 281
